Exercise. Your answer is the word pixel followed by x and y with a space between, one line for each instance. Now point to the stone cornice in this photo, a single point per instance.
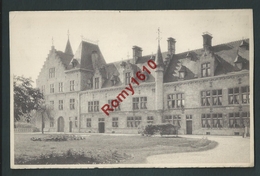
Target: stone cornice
pixel 78 69
pixel 207 79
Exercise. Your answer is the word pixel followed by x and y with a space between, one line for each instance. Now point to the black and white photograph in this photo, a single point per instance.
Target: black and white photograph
pixel 131 89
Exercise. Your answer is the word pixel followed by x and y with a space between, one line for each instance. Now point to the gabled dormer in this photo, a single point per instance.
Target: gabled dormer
pixel 208 60
pixel 129 71
pixel 239 62
pixel 244 45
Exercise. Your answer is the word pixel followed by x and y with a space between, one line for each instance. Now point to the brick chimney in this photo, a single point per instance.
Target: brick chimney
pixel 137 52
pixel 207 41
pixel 171 45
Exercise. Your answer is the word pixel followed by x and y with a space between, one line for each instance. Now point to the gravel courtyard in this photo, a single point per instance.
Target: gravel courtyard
pixel 230 149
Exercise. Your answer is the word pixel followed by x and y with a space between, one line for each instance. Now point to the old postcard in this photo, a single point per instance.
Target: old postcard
pixel 115 89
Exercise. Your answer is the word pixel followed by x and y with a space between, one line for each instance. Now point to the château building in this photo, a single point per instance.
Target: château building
pixel 204 91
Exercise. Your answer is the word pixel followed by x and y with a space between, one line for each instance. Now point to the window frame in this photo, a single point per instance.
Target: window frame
pixel 133 122
pixel 52 72
pixel 127 78
pixel 96 83
pixel 61 105
pixel 176 100
pixel 115 122
pixel 207 69
pixel 60 86
pixel 88 122
pixel 72 104
pixel 52 88
pixel 72 85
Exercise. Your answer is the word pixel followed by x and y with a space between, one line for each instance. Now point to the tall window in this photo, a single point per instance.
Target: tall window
pixel 51 88
pixel 133 122
pixel 90 83
pixel 96 83
pixel 216 97
pixel 175 100
pixel 245 94
pixel 217 121
pixel 150 120
pixel 72 85
pixel 139 103
pixel 245 119
pixel 127 78
pixel 72 104
pixel 206 120
pixel 52 104
pixel 76 122
pixel 233 95
pixel 51 123
pixel 93 106
pixel 117 108
pixel 205 70
pixel 115 122
pixel 172 119
pixel 205 98
pixel 211 97
pixel 60 86
pixel 51 72
pixel 60 104
pixel 235 120
pixel 88 122
pixel 96 106
pixel 43 89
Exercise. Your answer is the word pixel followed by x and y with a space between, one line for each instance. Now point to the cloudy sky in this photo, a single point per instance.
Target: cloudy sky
pixel 116 32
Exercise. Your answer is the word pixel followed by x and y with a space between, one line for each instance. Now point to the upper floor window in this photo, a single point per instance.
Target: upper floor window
pixel 72 104
pixel 52 104
pixel 89 83
pixel 72 85
pixel 51 88
pixel 140 103
pixel 96 83
pixel 127 78
pixel 245 94
pixel 60 86
pixel 175 100
pixel 93 106
pixel 205 70
pixel 60 104
pixel 211 97
pixel 51 72
pixel 233 95
pixel 116 108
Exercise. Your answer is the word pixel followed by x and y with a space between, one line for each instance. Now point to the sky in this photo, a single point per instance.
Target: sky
pixel 33 33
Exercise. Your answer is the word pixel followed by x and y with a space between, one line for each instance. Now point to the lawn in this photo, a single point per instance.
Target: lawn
pixel 138 147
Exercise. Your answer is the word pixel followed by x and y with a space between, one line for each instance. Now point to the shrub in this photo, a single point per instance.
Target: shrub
pixel 23 125
pixel 58 138
pixel 163 129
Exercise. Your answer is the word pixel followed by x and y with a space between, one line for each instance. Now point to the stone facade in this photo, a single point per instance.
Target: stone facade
pixel 180 90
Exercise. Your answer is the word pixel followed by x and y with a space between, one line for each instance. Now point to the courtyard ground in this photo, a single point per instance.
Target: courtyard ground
pixel 140 147
pixel 231 150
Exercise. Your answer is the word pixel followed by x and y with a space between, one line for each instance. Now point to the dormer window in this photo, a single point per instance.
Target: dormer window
pixel 90 84
pixel 127 78
pixel 96 83
pixel 182 72
pixel 114 79
pixel 239 62
pixel 189 56
pixel 205 70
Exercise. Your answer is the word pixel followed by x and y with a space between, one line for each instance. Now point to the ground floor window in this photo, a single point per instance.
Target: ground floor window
pixel 76 122
pixel 133 122
pixel 206 120
pixel 115 122
pixel 150 120
pixel 238 120
pixel 212 120
pixel 217 121
pixel 52 123
pixel 172 119
pixel 88 122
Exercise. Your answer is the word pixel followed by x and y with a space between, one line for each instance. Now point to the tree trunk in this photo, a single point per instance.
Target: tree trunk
pixel 42 124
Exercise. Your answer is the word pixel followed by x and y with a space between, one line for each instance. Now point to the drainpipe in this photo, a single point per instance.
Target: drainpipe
pixel 79 117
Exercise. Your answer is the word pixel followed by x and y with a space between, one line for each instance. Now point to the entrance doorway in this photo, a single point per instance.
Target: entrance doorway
pixel 70 126
pixel 101 127
pixel 189 127
pixel 60 124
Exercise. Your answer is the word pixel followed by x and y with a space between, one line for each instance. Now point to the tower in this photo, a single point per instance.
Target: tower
pixel 159 77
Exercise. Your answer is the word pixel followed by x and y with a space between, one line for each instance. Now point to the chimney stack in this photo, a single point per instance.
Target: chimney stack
pixel 207 41
pixel 171 45
pixel 137 52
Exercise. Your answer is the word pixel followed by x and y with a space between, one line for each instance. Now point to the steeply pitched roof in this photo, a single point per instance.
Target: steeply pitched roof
pixel 65 58
pixel 159 58
pixel 85 53
pixel 68 49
